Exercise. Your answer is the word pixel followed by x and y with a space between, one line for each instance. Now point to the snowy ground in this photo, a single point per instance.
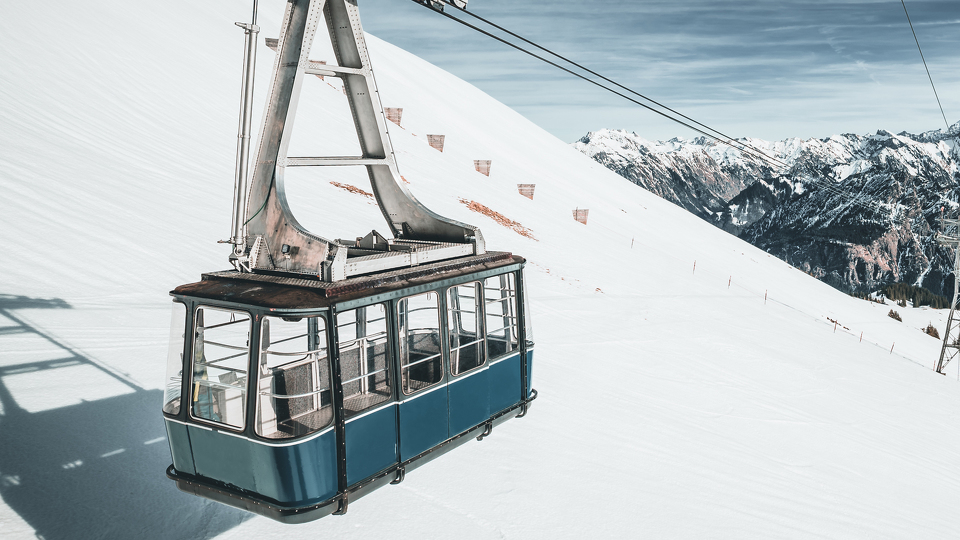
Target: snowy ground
pixel 675 401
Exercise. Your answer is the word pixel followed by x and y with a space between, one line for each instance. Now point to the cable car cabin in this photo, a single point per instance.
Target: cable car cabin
pixel 293 397
pixel 319 370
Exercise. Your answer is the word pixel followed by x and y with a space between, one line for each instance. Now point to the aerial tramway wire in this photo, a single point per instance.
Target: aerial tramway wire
pixel 725 138
pixel 853 199
pixel 925 65
pixel 719 138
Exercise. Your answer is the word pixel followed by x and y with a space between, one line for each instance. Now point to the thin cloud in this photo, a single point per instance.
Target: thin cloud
pixel 761 64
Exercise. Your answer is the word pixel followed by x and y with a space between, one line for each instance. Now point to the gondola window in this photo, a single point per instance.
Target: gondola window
pixel 294 397
pixel 500 307
pixel 418 321
pixel 171 394
pixel 466 339
pixel 362 347
pixel 220 357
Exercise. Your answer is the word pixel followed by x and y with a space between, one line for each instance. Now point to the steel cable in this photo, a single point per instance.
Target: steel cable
pixel 720 137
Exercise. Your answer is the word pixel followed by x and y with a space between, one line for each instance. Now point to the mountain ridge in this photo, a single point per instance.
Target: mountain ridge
pixel 856 211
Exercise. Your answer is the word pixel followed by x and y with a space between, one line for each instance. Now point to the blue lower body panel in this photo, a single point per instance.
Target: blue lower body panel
pixel 292 475
pixel 529 373
pixel 423 422
pixel 504 383
pixel 371 443
pixel 179 440
pixel 469 400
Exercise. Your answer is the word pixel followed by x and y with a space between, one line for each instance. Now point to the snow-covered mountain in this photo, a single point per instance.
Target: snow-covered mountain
pixel 691 385
pixel 698 176
pixel 857 211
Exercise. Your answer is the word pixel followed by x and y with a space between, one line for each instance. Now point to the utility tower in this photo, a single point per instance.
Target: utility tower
pixel 949 235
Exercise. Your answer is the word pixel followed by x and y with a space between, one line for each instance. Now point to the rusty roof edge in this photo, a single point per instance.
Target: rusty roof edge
pixel 343 290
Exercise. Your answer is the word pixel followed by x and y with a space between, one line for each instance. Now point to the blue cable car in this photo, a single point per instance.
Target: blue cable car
pixel 319 370
pixel 291 399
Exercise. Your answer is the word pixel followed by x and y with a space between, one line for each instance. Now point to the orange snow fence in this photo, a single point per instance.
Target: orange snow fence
pixel 393 114
pixel 526 190
pixel 580 214
pixel 482 166
pixel 499 218
pixel 436 141
pixel 351 189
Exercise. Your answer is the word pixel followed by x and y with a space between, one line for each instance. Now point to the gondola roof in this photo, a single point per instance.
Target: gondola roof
pixel 285 292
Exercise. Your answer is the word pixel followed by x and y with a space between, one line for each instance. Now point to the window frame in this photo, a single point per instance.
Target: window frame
pixel 441 355
pixel 193 353
pixel 183 355
pixel 513 301
pixel 324 343
pixel 480 315
pixel 527 323
pixel 335 342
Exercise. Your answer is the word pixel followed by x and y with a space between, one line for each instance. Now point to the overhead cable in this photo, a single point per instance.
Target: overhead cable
pixel 724 136
pixel 719 137
pixel 925 65
pixel 853 199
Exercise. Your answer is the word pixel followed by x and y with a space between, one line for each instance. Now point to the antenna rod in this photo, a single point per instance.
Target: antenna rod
pixel 250 31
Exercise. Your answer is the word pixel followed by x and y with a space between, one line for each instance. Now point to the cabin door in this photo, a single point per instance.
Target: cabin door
pixel 469 386
pixel 423 391
pixel 366 375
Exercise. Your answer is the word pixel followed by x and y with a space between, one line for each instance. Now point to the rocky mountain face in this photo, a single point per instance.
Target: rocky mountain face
pixel 695 175
pixel 857 211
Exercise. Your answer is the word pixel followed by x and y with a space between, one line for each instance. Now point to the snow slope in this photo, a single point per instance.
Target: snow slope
pixel 691 386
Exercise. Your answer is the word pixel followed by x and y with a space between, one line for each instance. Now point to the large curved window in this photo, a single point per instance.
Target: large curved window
pixel 221 340
pixel 527 325
pixel 171 388
pixel 362 347
pixel 500 308
pixel 418 321
pixel 463 321
pixel 293 397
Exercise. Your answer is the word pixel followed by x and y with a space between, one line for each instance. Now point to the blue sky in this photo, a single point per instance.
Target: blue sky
pixel 767 69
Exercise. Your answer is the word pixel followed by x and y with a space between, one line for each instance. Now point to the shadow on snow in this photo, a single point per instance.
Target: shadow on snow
pixel 87 466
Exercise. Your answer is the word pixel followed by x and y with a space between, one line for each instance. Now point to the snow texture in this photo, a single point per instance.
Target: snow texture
pixel 691 386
